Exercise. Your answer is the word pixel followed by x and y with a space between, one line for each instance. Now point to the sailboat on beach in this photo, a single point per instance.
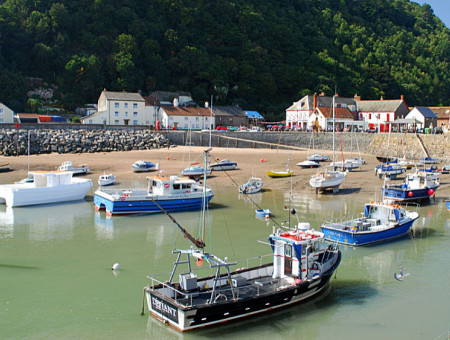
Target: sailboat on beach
pixel 299 268
pixel 328 178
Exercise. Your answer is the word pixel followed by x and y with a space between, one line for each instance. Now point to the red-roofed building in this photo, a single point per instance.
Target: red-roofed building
pixel 186 117
pixel 322 119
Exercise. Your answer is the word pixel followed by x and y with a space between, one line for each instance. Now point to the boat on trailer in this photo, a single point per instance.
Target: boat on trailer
pixel 300 267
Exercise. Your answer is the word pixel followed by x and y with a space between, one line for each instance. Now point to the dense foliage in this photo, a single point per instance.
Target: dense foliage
pixel 260 54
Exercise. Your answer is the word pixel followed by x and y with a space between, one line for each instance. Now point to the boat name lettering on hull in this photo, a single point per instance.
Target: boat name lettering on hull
pixel 165 308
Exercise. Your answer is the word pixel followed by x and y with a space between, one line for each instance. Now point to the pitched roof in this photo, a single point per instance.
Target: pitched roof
pixel 339 112
pixel 186 111
pixel 426 112
pixel 379 105
pixel 253 115
pixel 233 111
pixel 442 112
pixel 323 101
pixel 123 96
pixel 151 101
pixel 27 115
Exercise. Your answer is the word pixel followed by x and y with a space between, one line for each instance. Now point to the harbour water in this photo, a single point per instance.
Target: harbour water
pixel 56 280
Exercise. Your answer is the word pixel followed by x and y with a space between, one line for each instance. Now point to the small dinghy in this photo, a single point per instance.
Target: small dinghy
pixel 106 179
pixel 263 213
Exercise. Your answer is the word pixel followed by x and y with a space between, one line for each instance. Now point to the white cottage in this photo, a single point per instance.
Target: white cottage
pixel 186 117
pixel 6 114
pixel 424 115
pixel 119 108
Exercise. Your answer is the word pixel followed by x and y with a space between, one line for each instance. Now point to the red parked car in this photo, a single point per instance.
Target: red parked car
pixel 221 128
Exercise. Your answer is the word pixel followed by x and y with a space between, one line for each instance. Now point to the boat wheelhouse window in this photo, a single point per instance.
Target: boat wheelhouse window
pixel 176 186
pixel 154 184
pixel 185 186
pixel 287 250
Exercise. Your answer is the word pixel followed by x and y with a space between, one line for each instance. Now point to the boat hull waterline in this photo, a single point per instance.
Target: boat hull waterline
pixel 182 319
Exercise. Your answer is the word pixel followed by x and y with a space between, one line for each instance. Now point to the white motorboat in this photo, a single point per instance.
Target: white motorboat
pixel 224 164
pixel 195 171
pixel 253 185
pixel 106 179
pixel 318 158
pixel 68 166
pixel 46 187
pixel 143 166
pixel 4 167
pixel 348 164
pixel 308 164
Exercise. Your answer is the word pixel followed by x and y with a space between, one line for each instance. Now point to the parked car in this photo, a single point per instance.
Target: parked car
pixel 221 128
pixel 243 128
pixel 371 130
pixel 256 129
pixel 232 128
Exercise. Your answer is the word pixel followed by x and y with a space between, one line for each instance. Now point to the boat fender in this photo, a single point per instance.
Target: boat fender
pixel 267 217
pixel 187 192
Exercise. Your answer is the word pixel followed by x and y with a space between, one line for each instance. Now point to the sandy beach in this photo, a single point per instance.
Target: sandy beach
pixel 251 162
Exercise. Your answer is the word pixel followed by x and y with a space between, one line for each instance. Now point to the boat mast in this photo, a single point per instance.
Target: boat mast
pixel 202 226
pixel 333 128
pixel 28 151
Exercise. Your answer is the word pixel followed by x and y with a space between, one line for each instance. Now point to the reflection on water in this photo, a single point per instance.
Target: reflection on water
pixel 44 222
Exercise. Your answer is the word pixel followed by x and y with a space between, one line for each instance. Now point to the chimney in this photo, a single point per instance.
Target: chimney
pixel 381 98
pixel 315 101
pixel 402 98
pixel 206 104
pixel 356 97
pixel 175 102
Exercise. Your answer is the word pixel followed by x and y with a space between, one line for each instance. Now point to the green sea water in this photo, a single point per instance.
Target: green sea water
pixel 56 280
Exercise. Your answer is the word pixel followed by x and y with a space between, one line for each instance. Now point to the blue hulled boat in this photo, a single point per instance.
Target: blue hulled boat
pixel 417 186
pixel 381 222
pixel 171 193
pixel 390 169
pixel 429 160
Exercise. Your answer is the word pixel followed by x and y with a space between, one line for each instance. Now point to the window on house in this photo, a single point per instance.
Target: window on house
pixel 370 116
pixel 116 122
pixel 186 118
pixel 126 114
pixel 90 121
pixel 125 105
pixel 196 119
pixel 134 105
pixel 116 105
pixel 2 120
pixel 135 122
pixel 135 113
pixel 116 113
pixel 1 111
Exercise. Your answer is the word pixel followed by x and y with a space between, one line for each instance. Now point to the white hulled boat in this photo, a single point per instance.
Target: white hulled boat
pixel 68 166
pixel 46 187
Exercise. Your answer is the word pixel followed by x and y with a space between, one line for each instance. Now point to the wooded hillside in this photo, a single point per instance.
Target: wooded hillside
pixel 260 54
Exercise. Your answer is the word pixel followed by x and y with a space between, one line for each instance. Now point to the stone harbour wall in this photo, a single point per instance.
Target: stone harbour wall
pixel 13 142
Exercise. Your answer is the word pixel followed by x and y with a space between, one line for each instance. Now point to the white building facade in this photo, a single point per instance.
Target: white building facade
pixel 184 118
pixel 119 108
pixel 6 114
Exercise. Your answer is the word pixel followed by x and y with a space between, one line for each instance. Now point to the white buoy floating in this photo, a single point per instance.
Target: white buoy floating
pixel 116 266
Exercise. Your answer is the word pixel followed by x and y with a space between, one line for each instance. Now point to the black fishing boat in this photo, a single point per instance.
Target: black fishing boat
pixel 299 268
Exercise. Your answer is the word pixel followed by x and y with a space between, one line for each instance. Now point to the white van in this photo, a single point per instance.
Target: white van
pixel 256 129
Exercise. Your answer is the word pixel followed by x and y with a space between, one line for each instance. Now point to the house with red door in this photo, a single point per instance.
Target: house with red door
pixel 379 113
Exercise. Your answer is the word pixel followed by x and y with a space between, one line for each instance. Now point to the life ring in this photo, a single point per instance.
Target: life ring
pixel 187 192
pixel 122 198
pixel 166 185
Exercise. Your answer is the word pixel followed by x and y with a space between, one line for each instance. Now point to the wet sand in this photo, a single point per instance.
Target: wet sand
pixel 251 162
